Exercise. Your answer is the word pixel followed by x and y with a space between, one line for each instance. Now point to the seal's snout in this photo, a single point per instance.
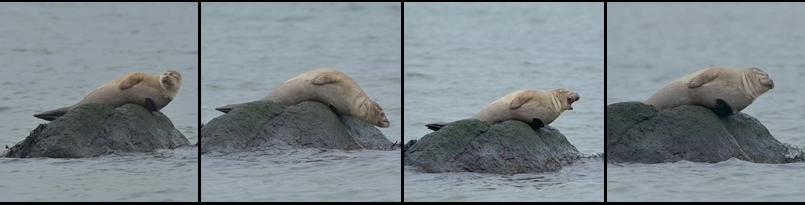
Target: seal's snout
pixel 573 98
pixel 384 124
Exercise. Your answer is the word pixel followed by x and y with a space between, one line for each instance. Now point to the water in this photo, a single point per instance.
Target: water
pixel 54 54
pixel 250 48
pixel 460 57
pixel 649 45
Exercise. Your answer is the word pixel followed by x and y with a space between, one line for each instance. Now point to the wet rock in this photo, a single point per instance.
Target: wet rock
pixel 261 125
pixel 637 132
pixel 472 145
pixel 93 130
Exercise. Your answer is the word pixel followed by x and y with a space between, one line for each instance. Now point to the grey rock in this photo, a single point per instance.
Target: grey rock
pixel 93 130
pixel 472 145
pixel 637 132
pixel 262 125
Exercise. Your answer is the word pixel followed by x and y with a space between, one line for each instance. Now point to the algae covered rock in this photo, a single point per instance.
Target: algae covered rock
pixel 94 129
pixel 637 132
pixel 263 125
pixel 510 147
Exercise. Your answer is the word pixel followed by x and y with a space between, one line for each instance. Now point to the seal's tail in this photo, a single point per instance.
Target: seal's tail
pixel 227 108
pixel 52 114
pixel 435 126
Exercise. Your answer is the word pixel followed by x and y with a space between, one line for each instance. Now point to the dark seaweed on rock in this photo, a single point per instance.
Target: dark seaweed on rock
pixel 471 145
pixel 262 125
pixel 94 129
pixel 637 132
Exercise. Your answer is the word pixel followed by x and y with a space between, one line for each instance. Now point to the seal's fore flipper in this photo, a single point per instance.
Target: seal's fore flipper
pixel 325 78
pixel 722 108
pixel 435 126
pixel 150 105
pixel 702 78
pixel 52 114
pixel 130 81
pixel 519 101
pixel 332 108
pixel 536 124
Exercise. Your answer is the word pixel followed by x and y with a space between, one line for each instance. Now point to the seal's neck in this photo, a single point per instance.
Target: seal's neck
pixel 169 89
pixel 559 102
pixel 751 87
pixel 357 108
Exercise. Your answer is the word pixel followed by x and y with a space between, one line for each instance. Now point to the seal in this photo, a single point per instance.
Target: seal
pixel 328 86
pixel 535 107
pixel 726 91
pixel 150 91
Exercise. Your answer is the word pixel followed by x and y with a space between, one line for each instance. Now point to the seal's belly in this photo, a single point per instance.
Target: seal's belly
pixel 297 91
pixel 707 96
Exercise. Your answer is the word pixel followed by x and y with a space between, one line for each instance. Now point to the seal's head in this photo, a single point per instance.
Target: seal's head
pixel 762 78
pixel 171 82
pixel 373 114
pixel 569 96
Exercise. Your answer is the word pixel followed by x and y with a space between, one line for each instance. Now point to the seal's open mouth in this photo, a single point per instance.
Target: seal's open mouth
pixel 570 102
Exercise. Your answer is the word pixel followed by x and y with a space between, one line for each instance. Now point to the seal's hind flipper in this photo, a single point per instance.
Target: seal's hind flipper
pixel 227 108
pixel 52 114
pixel 722 108
pixel 536 124
pixel 150 105
pixel 435 126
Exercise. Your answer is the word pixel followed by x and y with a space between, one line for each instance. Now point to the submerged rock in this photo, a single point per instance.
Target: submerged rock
pixel 472 145
pixel 637 132
pixel 94 129
pixel 262 125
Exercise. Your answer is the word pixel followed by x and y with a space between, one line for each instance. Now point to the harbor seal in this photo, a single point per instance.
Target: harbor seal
pixel 535 107
pixel 151 91
pixel 725 91
pixel 328 86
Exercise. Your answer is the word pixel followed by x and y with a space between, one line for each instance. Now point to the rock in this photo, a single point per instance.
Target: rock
pixel 263 125
pixel 409 144
pixel 471 145
pixel 93 130
pixel 637 132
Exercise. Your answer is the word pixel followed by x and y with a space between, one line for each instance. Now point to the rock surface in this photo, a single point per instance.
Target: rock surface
pixel 93 130
pixel 472 145
pixel 637 132
pixel 262 125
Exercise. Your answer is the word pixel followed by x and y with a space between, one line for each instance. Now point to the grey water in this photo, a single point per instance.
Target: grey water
pixel 459 57
pixel 651 44
pixel 250 48
pixel 54 54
